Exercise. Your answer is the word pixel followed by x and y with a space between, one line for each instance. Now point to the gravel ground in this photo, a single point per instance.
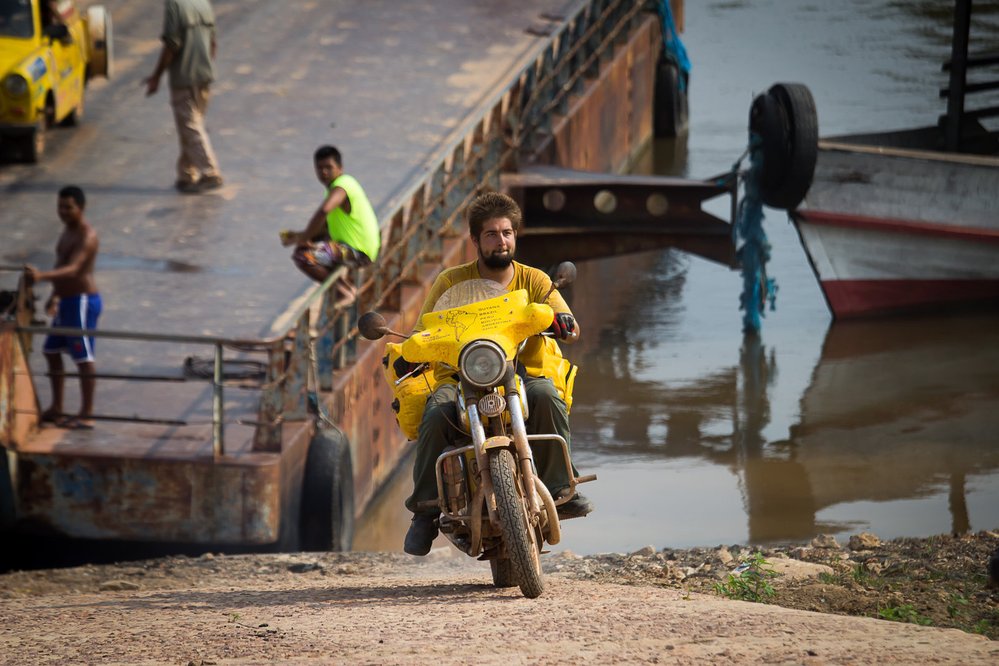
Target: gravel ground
pixel 646 607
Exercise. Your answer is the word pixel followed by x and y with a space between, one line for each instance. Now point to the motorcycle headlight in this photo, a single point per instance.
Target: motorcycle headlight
pixel 15 85
pixel 482 363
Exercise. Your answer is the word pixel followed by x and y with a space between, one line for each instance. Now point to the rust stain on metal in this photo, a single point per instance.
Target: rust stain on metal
pixel 129 498
pixel 611 120
pixel 18 406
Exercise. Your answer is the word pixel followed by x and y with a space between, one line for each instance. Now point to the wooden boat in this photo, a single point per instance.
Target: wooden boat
pixel 909 220
pixel 891 229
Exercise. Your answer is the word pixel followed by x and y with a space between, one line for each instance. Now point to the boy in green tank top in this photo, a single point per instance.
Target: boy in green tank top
pixel 342 232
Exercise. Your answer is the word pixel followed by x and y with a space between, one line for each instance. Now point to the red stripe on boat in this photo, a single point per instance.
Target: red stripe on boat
pixel 858 298
pixel 911 227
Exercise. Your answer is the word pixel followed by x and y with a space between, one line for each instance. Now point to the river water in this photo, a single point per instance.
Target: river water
pixel 700 436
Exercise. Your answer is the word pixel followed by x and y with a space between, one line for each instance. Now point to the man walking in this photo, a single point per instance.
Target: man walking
pixel 188 54
pixel 75 303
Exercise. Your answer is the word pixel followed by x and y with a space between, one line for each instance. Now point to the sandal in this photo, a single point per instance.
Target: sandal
pixel 75 423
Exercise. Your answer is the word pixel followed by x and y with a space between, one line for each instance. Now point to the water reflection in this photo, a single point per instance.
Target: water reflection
pixel 895 433
pixel 901 410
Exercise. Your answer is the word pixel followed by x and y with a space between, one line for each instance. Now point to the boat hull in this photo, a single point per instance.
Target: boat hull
pixel 890 230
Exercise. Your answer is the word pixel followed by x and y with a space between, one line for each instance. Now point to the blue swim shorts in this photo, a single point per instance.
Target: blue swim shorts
pixel 75 312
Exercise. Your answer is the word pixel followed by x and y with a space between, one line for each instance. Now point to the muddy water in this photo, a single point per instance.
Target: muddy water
pixel 700 436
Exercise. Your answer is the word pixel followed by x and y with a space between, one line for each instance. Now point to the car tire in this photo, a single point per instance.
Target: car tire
pixel 33 143
pixel 75 116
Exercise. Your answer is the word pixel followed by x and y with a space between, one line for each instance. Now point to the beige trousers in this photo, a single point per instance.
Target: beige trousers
pixel 197 159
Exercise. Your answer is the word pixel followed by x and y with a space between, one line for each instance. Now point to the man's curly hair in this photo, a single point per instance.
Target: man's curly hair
pixel 488 206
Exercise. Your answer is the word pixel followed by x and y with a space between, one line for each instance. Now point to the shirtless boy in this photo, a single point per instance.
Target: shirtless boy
pixel 74 303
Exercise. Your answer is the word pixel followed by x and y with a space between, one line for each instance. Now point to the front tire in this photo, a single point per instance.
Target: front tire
pixel 33 143
pixel 519 537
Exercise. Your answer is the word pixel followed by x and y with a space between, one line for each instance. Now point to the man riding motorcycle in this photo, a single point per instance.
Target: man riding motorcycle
pixel 493 222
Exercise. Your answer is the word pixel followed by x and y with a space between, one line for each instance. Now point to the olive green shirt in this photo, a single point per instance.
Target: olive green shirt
pixel 189 28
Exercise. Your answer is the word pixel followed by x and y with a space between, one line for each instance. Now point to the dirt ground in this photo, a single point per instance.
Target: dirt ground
pixel 903 601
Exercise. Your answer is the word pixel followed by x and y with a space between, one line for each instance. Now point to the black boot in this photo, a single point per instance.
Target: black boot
pixel 421 534
pixel 577 507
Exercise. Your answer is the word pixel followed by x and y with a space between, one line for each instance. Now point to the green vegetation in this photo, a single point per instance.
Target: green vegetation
pixel 957 605
pixel 750 581
pixel 903 613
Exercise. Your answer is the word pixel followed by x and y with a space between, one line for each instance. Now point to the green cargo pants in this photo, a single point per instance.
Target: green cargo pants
pixel 547 414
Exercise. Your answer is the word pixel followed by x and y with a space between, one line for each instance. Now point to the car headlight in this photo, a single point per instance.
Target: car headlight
pixel 15 85
pixel 482 363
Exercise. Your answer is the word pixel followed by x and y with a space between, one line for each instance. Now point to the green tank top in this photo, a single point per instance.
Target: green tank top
pixel 359 228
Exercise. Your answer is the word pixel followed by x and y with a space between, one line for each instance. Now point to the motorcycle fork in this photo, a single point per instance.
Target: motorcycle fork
pixel 524 455
pixel 478 441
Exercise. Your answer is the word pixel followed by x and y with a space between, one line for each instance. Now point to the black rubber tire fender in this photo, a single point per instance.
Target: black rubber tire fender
pixel 518 536
pixel 327 510
pixel 8 509
pixel 768 123
pixel 802 128
pixel 670 105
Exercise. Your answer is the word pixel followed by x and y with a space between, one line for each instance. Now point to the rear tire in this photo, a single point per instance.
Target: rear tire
pixel 519 538
pixel 75 116
pixel 503 575
pixel 327 511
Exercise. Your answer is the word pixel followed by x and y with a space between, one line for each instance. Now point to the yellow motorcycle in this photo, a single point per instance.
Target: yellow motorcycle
pixel 493 505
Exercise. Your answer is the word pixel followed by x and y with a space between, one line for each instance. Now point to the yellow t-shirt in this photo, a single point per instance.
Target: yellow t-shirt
pixel 535 281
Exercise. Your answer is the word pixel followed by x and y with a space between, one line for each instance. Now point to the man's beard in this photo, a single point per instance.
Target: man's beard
pixel 497 260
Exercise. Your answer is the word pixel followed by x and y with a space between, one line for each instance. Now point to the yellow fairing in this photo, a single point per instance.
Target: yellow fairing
pixel 506 320
pixel 559 370
pixel 410 394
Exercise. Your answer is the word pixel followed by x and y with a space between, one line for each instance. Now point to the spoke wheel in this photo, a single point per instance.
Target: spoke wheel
pixel 520 539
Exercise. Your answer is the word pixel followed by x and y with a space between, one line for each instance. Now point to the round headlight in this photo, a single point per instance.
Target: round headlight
pixel 482 363
pixel 15 85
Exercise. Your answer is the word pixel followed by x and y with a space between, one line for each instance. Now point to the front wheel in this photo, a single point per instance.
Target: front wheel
pixel 519 537
pixel 33 143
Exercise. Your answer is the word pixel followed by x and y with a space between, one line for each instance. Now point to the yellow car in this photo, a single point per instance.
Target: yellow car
pixel 49 49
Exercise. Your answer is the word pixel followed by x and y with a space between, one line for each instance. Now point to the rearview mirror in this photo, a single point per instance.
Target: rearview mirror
pixel 372 326
pixel 565 274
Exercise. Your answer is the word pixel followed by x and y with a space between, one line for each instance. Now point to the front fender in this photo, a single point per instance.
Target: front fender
pixel 497 442
pixel 36 70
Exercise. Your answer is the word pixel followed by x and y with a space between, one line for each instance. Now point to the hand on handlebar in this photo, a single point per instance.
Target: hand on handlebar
pixel 564 326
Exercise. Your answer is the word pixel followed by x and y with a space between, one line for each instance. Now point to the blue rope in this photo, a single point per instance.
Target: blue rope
pixel 752 246
pixel 671 42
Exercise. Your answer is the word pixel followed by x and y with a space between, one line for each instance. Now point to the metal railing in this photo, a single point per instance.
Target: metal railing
pixel 285 386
